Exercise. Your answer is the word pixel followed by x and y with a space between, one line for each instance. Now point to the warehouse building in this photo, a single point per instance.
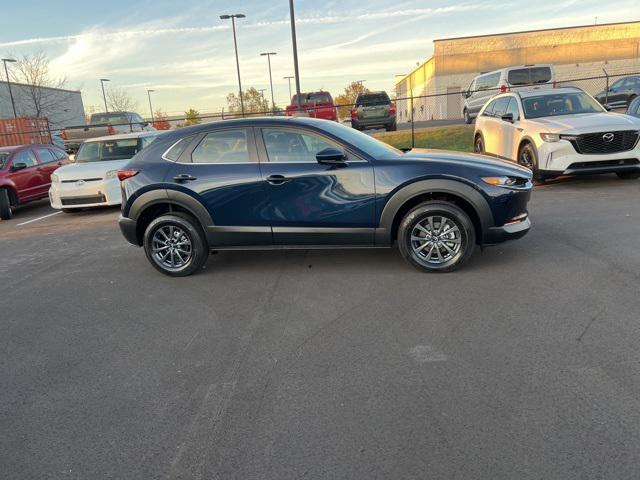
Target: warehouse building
pixel 575 52
pixel 62 107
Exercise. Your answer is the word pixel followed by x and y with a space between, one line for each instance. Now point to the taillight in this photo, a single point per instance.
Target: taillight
pixel 63 134
pixel 111 130
pixel 503 88
pixel 392 109
pixel 354 112
pixel 124 174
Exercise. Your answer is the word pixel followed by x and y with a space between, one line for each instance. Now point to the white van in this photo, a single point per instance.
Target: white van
pixel 487 85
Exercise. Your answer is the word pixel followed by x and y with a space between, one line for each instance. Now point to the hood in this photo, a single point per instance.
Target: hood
pixel 586 123
pixel 494 166
pixel 84 171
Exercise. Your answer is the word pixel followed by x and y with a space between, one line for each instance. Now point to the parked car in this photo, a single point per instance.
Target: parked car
pixel 102 124
pixel 314 105
pixel 620 93
pixel 563 131
pixel 487 85
pixel 373 110
pixel 267 183
pixel 92 181
pixel 634 108
pixel 25 174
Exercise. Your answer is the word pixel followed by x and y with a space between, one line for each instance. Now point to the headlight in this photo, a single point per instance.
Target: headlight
pixel 54 178
pixel 550 137
pixel 501 181
pixel 111 174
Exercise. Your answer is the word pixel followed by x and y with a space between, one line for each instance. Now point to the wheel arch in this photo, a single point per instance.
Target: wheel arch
pixel 13 194
pixel 464 196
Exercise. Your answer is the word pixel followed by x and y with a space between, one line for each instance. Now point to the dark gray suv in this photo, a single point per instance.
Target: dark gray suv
pixel 373 110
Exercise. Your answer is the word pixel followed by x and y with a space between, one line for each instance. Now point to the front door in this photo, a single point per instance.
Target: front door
pixel 312 203
pixel 220 169
pixel 29 181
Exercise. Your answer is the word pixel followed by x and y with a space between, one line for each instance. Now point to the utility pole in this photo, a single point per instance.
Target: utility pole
pixel 104 97
pixel 295 54
pixel 268 55
pixel 13 103
pixel 150 107
pixel 289 78
pixel 235 45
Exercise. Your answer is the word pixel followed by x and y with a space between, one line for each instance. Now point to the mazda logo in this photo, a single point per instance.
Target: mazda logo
pixel 608 137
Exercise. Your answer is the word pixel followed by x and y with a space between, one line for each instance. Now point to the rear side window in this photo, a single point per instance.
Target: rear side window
pixel 226 146
pixel 59 154
pixel 291 146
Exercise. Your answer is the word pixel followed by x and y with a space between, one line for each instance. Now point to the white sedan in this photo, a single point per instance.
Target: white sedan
pixel 561 131
pixel 92 180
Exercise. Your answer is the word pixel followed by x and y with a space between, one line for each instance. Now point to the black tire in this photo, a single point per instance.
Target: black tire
pixel 628 175
pixel 392 127
pixel 478 144
pixel 467 117
pixel 528 158
pixel 457 250
pixel 188 231
pixel 5 205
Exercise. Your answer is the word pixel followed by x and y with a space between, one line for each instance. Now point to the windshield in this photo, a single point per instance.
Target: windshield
pixel 3 159
pixel 364 142
pixel 560 104
pixel 108 150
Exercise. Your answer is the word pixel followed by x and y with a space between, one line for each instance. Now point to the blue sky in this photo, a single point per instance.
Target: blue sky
pixel 185 53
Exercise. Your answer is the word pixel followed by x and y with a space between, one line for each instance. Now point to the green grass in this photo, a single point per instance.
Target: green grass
pixel 459 138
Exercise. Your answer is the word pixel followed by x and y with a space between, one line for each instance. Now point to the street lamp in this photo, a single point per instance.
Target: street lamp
pixel 150 107
pixel 268 55
pixel 235 45
pixel 295 54
pixel 13 103
pixel 104 97
pixel 289 78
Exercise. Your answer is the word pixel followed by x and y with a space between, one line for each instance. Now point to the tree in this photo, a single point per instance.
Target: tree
pixel 348 98
pixel 192 117
pixel 119 100
pixel 32 70
pixel 254 102
pixel 160 120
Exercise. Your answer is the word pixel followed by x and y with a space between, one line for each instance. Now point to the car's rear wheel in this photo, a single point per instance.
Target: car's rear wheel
pixel 528 158
pixel 436 236
pixel 392 127
pixel 628 175
pixel 478 144
pixel 175 245
pixel 5 205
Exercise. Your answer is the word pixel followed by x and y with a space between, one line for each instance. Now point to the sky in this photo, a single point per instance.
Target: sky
pixel 183 51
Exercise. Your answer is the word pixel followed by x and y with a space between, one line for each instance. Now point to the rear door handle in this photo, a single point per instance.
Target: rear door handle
pixel 277 179
pixel 184 177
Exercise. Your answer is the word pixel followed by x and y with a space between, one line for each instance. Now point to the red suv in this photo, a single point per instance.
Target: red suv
pixel 25 174
pixel 314 104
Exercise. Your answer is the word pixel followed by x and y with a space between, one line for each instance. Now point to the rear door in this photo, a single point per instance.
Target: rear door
pixel 510 132
pixel 29 181
pixel 220 169
pixel 312 203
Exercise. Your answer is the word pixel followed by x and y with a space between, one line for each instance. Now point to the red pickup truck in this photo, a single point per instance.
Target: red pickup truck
pixel 315 105
pixel 25 174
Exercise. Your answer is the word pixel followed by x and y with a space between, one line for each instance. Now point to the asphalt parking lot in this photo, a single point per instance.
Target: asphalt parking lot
pixel 326 364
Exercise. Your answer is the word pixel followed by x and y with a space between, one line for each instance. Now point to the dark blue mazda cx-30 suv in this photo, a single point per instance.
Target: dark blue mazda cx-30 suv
pixel 305 183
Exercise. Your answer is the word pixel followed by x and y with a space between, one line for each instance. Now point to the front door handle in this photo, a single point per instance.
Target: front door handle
pixel 277 179
pixel 184 177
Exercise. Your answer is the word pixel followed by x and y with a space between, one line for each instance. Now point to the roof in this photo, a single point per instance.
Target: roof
pixel 533 31
pixel 548 91
pixel 122 136
pixel 13 148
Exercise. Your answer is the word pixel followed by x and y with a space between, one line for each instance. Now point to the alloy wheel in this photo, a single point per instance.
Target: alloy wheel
pixel 171 247
pixel 526 159
pixel 436 240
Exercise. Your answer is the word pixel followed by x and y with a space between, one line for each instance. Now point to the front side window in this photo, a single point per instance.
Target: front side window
pixel 106 150
pixel 488 111
pixel 512 108
pixel 27 157
pixel 560 104
pixel 226 146
pixel 501 106
pixel 291 146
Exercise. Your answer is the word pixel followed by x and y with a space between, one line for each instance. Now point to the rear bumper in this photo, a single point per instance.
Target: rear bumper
pixel 514 231
pixel 129 230
pixel 373 122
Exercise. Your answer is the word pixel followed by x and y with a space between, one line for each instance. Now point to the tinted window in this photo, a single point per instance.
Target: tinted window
pixel 45 155
pixel 559 104
pixel 488 81
pixel 489 110
pixel 3 159
pixel 364 142
pixel 27 157
pixel 500 107
pixel 284 145
pixel 529 76
pixel 372 99
pixel 108 150
pixel 512 108
pixel 174 152
pixel 617 83
pixel 320 97
pixel 519 77
pixel 227 146
pixel 540 75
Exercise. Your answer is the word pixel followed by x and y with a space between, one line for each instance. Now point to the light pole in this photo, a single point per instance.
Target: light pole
pixel 150 107
pixel 104 97
pixel 235 45
pixel 289 78
pixel 295 54
pixel 268 55
pixel 13 103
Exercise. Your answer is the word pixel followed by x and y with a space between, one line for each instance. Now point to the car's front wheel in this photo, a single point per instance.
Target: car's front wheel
pixel 436 236
pixel 628 175
pixel 5 205
pixel 528 158
pixel 175 245
pixel 478 144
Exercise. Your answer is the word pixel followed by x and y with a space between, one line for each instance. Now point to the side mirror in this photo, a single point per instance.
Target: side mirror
pixel 18 166
pixel 507 117
pixel 331 156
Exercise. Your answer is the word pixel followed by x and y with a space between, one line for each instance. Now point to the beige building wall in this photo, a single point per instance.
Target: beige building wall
pixel 576 52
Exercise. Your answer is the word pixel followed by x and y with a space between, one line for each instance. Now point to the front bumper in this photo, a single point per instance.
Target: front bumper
pixel 513 231
pixel 98 193
pixel 560 158
pixel 129 230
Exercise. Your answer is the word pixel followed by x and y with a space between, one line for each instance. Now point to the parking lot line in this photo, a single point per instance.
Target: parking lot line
pixel 39 218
